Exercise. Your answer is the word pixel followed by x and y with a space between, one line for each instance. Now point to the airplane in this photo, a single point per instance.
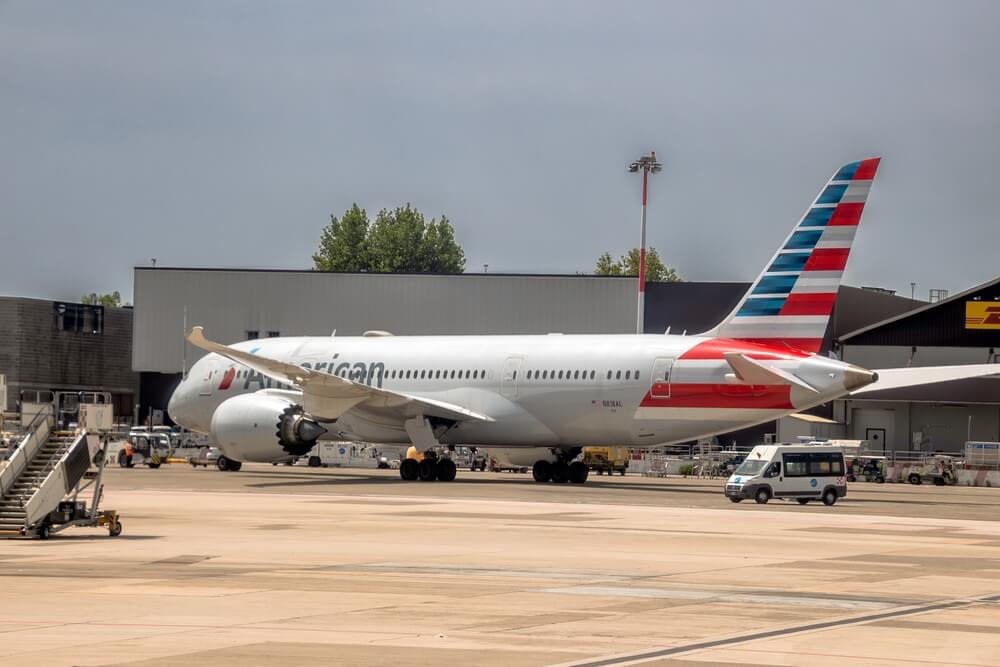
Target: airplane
pixel 266 400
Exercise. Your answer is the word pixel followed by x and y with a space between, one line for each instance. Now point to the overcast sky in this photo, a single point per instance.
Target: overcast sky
pixel 224 134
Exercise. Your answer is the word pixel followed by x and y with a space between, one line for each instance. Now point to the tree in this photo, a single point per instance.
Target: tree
pixel 113 300
pixel 628 265
pixel 343 246
pixel 397 241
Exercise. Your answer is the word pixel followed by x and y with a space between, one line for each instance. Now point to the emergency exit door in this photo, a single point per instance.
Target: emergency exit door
pixel 508 377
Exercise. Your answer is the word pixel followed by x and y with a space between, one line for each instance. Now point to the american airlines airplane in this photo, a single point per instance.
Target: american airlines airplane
pixel 265 400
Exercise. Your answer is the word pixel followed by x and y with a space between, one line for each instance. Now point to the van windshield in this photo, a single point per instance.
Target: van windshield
pixel 751 467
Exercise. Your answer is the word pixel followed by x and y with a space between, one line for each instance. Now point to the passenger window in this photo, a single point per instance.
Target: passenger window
pixel 637 375
pixel 628 375
pixel 475 375
pixel 618 375
pixel 515 375
pixel 453 375
pixel 576 375
pixel 796 465
pixel 560 375
pixel 609 375
pixel 423 374
pixel 591 375
pixel 545 375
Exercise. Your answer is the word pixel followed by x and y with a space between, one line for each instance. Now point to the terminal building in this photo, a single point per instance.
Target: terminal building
pixel 869 327
pixel 59 346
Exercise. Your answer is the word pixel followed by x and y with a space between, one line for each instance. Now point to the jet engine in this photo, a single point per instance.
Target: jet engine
pixel 263 427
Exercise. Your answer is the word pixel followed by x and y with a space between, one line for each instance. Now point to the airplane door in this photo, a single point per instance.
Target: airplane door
pixel 508 377
pixel 660 384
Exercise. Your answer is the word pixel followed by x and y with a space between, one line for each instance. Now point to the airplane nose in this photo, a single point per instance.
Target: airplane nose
pixel 174 405
pixel 855 378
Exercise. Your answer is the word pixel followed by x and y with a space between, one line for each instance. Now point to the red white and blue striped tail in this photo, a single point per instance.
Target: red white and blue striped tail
pixel 790 303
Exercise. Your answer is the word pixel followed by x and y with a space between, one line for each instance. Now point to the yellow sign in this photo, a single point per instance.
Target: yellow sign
pixel 982 314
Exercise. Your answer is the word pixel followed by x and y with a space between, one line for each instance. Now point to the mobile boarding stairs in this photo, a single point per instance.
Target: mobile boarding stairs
pixel 43 478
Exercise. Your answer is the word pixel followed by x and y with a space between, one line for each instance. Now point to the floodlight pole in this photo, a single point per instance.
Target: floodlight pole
pixel 647 164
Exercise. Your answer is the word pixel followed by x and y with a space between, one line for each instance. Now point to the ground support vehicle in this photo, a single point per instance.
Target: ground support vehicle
pixel 206 456
pixel 148 448
pixel 477 461
pixel 800 472
pixel 938 470
pixel 868 468
pixel 606 459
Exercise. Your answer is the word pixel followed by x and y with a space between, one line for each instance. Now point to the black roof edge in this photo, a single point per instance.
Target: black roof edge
pixel 921 309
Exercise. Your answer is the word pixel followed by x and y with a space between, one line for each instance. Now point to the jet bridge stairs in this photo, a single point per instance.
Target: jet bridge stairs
pixel 41 471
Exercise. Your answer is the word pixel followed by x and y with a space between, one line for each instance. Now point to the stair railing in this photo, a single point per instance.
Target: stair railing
pixel 36 435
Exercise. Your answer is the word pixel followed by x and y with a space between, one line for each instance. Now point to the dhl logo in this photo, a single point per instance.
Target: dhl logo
pixel 982 314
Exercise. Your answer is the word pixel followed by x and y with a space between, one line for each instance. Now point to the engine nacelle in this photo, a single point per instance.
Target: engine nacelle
pixel 262 427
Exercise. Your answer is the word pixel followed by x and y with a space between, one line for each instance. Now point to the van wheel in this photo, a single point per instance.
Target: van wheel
pixel 762 496
pixel 734 500
pixel 802 501
pixel 914 478
pixel 829 497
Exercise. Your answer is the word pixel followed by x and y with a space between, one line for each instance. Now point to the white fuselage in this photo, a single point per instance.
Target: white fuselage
pixel 540 390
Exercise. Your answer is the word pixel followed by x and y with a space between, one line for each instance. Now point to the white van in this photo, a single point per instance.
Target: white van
pixel 802 472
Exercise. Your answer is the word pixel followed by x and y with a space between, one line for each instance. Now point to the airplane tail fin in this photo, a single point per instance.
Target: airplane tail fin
pixel 790 302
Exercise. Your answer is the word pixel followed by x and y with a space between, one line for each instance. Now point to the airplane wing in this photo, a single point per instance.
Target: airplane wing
pixel 329 396
pixel 895 378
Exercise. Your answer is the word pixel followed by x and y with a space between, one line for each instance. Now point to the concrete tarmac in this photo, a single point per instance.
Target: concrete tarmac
pixel 296 566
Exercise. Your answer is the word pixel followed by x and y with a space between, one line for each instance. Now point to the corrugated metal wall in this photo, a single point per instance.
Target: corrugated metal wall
pixel 228 303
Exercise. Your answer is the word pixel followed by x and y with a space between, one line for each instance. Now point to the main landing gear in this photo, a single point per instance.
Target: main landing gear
pixel 424 434
pixel 562 470
pixel 431 468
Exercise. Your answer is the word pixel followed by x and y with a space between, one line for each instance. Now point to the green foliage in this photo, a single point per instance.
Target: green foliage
pixel 398 241
pixel 628 265
pixel 113 300
pixel 343 246
pixel 687 469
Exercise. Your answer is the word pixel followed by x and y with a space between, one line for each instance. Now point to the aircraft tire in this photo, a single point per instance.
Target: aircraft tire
pixel 409 469
pixel 428 470
pixel 446 470
pixel 578 472
pixel 542 471
pixel 560 472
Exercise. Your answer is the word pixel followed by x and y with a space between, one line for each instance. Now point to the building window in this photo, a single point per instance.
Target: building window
pixel 79 317
pixel 253 334
pixel 273 334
